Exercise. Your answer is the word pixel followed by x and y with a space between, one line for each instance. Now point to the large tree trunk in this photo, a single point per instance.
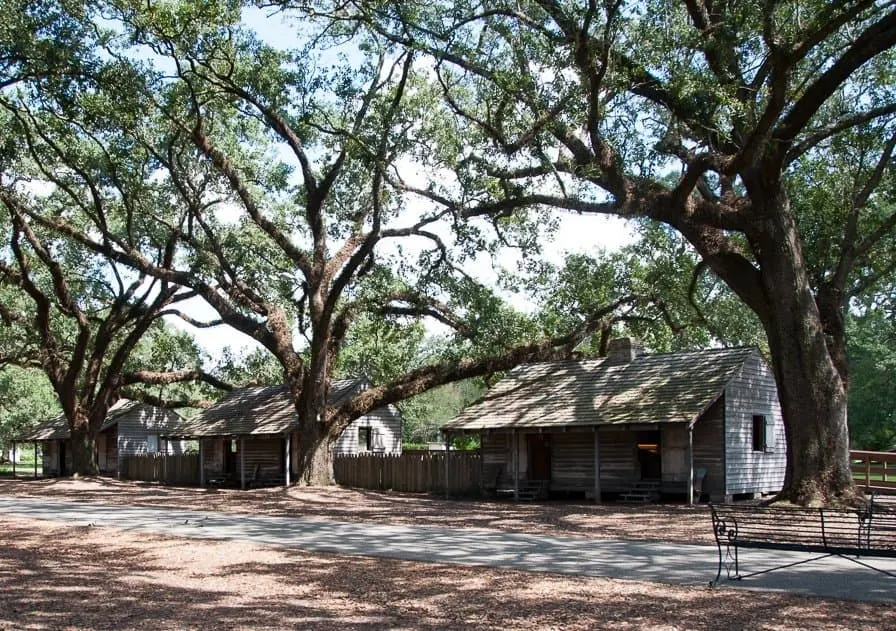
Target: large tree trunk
pixel 83 447
pixel 315 455
pixel 810 389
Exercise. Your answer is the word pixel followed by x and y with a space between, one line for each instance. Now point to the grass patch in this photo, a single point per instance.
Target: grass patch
pixel 22 468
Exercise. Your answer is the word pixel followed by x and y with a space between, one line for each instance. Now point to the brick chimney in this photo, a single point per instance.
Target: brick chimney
pixel 622 350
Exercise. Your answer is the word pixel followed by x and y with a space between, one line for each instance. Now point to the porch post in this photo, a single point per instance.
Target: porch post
pixel 164 461
pixel 596 465
pixel 690 464
pixel 201 465
pixel 243 462
pixel 35 460
pixel 516 464
pixel 288 459
pixel 14 459
pixel 447 452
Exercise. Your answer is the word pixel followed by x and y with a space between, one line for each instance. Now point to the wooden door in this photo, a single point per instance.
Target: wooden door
pixel 539 448
pixel 231 453
pixel 649 450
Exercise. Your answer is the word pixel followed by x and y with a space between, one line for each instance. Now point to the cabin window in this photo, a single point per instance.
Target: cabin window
pixel 364 438
pixel 152 443
pixel 759 433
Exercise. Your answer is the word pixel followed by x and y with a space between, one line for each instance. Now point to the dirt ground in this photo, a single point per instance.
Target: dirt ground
pixel 63 577
pixel 671 522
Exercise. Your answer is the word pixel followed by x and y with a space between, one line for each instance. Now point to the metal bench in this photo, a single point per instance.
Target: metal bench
pixel 866 532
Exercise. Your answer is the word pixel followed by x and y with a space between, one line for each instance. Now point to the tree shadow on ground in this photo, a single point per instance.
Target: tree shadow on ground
pixel 59 577
pixel 666 522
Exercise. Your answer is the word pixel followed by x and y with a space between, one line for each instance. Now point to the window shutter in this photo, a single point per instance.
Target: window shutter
pixel 770 435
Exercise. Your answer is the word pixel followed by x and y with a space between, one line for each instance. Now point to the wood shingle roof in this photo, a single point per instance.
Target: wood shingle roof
pixel 57 427
pixel 255 410
pixel 667 388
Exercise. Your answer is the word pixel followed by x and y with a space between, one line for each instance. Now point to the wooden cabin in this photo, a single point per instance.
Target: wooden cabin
pixel 130 428
pixel 633 426
pixel 250 438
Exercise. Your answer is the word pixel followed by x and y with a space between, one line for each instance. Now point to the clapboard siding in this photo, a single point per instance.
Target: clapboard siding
pixel 709 449
pixel 572 461
pixel 619 467
pixel 385 424
pixel 752 392
pixel 141 421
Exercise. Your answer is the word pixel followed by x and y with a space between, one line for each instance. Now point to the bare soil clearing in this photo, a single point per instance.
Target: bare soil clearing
pixel 65 577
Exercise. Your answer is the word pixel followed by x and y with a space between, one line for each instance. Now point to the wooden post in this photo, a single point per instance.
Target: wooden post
pixel 690 464
pixel 516 464
pixel 35 460
pixel 867 458
pixel 596 465
pixel 447 451
pixel 243 462
pixel 14 460
pixel 164 461
pixel 201 465
pixel 288 459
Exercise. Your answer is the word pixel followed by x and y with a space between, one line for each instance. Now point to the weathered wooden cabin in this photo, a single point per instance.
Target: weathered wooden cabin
pixel 633 425
pixel 250 436
pixel 131 428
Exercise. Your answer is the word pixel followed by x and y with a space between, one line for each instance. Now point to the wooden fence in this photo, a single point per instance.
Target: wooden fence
pixel 875 471
pixel 170 469
pixel 412 472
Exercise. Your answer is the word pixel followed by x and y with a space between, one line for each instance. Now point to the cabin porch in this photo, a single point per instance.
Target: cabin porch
pixel 600 463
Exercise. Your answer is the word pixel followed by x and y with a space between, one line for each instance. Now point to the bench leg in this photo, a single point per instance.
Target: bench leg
pixel 729 561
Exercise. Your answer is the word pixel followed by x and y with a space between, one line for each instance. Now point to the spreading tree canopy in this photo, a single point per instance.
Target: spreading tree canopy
pixel 763 132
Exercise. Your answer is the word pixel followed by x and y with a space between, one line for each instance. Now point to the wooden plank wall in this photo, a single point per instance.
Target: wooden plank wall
pixel 49 457
pixel 213 456
pixel 265 455
pixel 385 424
pixel 709 449
pixel 572 461
pixel 111 449
pixel 140 421
pixel 619 467
pixel 411 472
pixel 747 471
pixel 179 468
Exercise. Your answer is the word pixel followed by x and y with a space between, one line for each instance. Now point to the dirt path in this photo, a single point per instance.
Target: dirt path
pixel 76 577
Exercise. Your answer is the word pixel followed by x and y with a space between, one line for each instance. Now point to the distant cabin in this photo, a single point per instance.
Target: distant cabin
pixel 250 437
pixel 131 428
pixel 633 426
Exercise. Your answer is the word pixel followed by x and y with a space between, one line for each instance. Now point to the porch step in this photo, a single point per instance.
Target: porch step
pixel 643 492
pixel 528 490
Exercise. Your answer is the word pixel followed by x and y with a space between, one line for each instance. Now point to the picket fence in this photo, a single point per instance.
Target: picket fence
pixel 412 472
pixel 170 469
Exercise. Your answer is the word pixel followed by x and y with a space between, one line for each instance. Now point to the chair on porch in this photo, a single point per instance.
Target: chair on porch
pixel 699 476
